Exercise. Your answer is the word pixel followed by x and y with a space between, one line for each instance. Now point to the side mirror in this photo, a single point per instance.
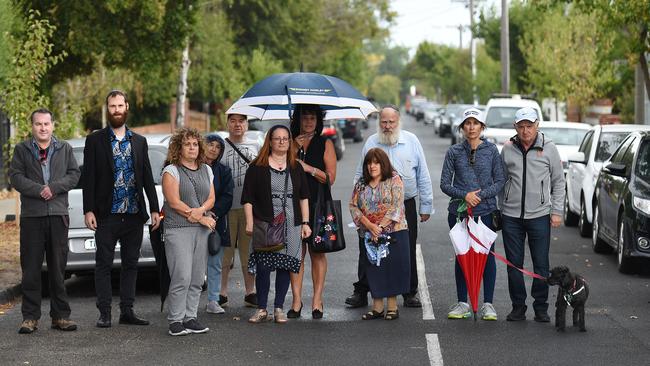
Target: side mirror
pixel 577 157
pixel 616 169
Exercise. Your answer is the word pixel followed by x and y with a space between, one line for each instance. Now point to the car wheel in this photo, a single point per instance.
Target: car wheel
pixel 583 223
pixel 570 219
pixel 625 263
pixel 598 244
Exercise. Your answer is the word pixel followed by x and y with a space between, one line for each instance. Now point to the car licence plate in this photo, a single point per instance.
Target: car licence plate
pixel 89 244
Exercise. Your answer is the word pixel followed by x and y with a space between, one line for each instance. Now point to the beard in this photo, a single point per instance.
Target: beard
pixel 388 138
pixel 119 120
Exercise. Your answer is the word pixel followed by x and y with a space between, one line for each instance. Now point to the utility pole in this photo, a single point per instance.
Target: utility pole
pixel 472 51
pixel 505 48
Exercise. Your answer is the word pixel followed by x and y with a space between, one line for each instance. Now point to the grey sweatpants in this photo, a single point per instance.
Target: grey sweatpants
pixel 187 257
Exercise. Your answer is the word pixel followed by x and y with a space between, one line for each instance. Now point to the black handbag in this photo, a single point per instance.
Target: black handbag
pixel 272 236
pixel 496 220
pixel 214 243
pixel 327 234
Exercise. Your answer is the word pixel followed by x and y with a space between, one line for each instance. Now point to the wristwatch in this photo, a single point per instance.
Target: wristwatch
pixel 305 223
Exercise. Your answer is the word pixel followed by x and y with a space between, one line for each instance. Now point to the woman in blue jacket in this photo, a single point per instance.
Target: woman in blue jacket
pixel 223 186
pixel 473 173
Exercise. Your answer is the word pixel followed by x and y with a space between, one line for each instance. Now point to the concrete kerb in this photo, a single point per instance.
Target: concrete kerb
pixel 11 293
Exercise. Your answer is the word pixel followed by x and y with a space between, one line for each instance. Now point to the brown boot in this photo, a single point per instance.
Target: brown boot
pixel 28 326
pixel 64 324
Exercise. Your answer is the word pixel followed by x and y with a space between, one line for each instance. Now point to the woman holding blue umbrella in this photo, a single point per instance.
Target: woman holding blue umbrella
pixel 318 159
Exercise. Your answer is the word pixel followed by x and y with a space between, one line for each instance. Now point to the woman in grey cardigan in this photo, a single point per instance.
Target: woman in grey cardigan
pixel 473 173
pixel 189 196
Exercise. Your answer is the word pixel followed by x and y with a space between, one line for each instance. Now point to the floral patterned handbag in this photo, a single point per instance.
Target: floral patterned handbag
pixel 327 233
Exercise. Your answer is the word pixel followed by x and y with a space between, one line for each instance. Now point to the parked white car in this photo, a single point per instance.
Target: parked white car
pixel 500 117
pixel 584 165
pixel 567 137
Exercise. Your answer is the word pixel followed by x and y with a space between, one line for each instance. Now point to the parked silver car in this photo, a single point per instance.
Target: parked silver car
pixel 81 240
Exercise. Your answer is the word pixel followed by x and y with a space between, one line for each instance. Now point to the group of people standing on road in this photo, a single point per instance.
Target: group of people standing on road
pixel 216 189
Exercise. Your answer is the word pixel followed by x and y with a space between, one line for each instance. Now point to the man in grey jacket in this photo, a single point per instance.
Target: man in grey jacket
pixel 531 202
pixel 43 170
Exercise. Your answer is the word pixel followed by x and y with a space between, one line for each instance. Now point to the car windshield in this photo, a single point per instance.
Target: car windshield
pixel 157 156
pixel 642 170
pixel 501 117
pixel 608 143
pixel 564 136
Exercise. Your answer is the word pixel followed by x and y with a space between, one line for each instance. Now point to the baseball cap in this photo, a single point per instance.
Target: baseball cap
pixel 473 113
pixel 526 114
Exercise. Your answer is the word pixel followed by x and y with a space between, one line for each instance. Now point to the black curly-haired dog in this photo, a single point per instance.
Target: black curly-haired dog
pixel 573 291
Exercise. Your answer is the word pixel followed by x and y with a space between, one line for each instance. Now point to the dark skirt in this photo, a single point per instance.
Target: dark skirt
pixel 393 276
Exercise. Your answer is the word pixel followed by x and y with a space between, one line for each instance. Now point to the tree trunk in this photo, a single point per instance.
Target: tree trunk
pixel 182 86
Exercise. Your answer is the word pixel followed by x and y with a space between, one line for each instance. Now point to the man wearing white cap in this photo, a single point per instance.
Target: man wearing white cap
pixel 531 203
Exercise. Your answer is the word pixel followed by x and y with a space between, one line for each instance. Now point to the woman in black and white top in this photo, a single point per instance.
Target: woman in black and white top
pixel 189 196
pixel 264 197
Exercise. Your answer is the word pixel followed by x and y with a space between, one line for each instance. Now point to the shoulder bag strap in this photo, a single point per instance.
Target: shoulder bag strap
pixel 247 160
pixel 193 182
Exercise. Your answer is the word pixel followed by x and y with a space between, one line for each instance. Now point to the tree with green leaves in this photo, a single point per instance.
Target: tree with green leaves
pixel 557 67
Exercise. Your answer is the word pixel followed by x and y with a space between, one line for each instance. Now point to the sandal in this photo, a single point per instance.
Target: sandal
pixel 372 315
pixel 392 314
pixel 261 315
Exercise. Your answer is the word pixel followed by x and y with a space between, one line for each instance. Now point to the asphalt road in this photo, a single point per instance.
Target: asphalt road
pixel 618 314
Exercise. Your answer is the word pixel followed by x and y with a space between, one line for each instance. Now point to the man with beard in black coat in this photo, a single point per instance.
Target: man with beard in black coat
pixel 115 172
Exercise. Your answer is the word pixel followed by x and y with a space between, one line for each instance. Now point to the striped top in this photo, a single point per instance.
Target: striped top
pixel 194 189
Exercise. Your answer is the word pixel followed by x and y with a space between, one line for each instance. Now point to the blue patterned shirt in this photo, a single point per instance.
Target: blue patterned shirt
pixel 125 196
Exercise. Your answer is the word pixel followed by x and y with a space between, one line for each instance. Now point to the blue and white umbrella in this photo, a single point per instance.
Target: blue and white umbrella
pixel 274 97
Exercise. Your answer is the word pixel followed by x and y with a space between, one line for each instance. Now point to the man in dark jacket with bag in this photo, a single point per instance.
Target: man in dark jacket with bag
pixel 43 170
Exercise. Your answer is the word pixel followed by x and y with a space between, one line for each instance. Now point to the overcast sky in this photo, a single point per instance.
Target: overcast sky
pixel 432 20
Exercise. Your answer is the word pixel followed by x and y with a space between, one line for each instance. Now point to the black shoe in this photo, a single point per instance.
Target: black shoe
pixel 518 313
pixel 412 301
pixel 104 320
pixel 293 314
pixel 193 326
pixel 357 300
pixel 223 300
pixel 318 313
pixel 250 300
pixel 542 316
pixel 177 329
pixel 129 317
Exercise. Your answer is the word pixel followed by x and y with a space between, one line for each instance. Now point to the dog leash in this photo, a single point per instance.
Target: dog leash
pixel 497 255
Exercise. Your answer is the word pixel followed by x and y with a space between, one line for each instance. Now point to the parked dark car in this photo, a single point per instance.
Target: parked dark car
pixel 622 207
pixel 351 128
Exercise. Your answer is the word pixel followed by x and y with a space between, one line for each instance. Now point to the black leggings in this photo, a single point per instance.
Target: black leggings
pixel 263 285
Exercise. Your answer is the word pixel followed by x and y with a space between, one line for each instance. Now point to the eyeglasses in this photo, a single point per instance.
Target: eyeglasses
pixel 280 139
pixel 42 156
pixel 472 157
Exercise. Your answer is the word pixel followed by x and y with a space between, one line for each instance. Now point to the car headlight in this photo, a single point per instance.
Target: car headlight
pixel 641 204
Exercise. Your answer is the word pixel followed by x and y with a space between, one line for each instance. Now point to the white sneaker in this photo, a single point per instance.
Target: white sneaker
pixel 214 308
pixel 487 312
pixel 459 311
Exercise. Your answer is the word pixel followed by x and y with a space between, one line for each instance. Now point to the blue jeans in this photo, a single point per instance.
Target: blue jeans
pixel 489 273
pixel 538 232
pixel 214 275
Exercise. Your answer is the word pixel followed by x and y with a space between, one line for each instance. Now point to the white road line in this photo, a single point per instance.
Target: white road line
pixel 423 288
pixel 433 348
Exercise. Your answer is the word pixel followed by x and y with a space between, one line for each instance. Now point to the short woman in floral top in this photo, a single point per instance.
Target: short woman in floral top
pixel 377 207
